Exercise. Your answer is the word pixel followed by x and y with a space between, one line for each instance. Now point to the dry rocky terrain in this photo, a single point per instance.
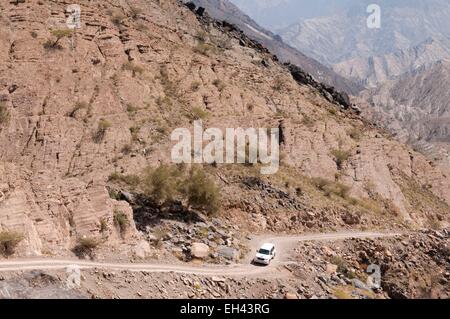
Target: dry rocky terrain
pixel 85 113
pixel 335 270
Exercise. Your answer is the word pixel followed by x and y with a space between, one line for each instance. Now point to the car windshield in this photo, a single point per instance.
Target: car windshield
pixel 264 251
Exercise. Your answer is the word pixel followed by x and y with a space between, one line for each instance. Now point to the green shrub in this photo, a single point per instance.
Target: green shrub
pixel 121 221
pixel 162 184
pixel 340 263
pixel 331 188
pixel 197 113
pixel 58 34
pixel 321 183
pixel 4 114
pixel 201 192
pixel 103 225
pixel 134 130
pixel 342 294
pixel 85 246
pixel 168 183
pixel 332 110
pixel 340 156
pixel 9 241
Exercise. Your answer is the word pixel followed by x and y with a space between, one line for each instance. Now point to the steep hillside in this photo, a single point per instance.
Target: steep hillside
pixel 84 113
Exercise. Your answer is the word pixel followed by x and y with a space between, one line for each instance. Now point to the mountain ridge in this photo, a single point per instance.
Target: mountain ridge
pixel 226 10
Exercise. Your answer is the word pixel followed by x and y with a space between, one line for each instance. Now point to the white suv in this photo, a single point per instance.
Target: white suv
pixel 265 254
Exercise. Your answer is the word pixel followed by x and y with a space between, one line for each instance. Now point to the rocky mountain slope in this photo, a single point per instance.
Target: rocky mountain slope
pixel 85 113
pixel 227 11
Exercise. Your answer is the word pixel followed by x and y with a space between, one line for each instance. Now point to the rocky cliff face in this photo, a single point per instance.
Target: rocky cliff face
pixel 81 106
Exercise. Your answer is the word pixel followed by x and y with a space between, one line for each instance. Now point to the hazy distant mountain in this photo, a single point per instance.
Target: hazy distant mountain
pixel 225 10
pixel 416 106
pixel 276 14
pixel 344 35
pixel 369 71
pixel 402 64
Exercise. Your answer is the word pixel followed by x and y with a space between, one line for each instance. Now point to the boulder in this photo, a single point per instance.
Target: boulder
pixel 290 295
pixel 351 219
pixel 360 285
pixel 229 253
pixel 199 250
pixel 142 250
pixel 331 269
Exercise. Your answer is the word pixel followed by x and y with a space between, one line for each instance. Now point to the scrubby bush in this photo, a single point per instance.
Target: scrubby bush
pixel 197 113
pixel 58 34
pixel 203 49
pixel 126 149
pixel 279 84
pixel 135 69
pixel 331 188
pixel 4 114
pixel 135 12
pixel 86 246
pixel 117 18
pixel 103 225
pixel 201 192
pixel 202 36
pixel 219 85
pixel 355 134
pixel 103 126
pixel 9 241
pixel 162 184
pixel 195 86
pixel 169 87
pixel 340 156
pixel 78 106
pixel 195 188
pixel 134 131
pixel 130 180
pixel 121 221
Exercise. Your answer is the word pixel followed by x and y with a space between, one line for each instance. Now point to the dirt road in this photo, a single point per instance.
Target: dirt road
pixel 283 244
